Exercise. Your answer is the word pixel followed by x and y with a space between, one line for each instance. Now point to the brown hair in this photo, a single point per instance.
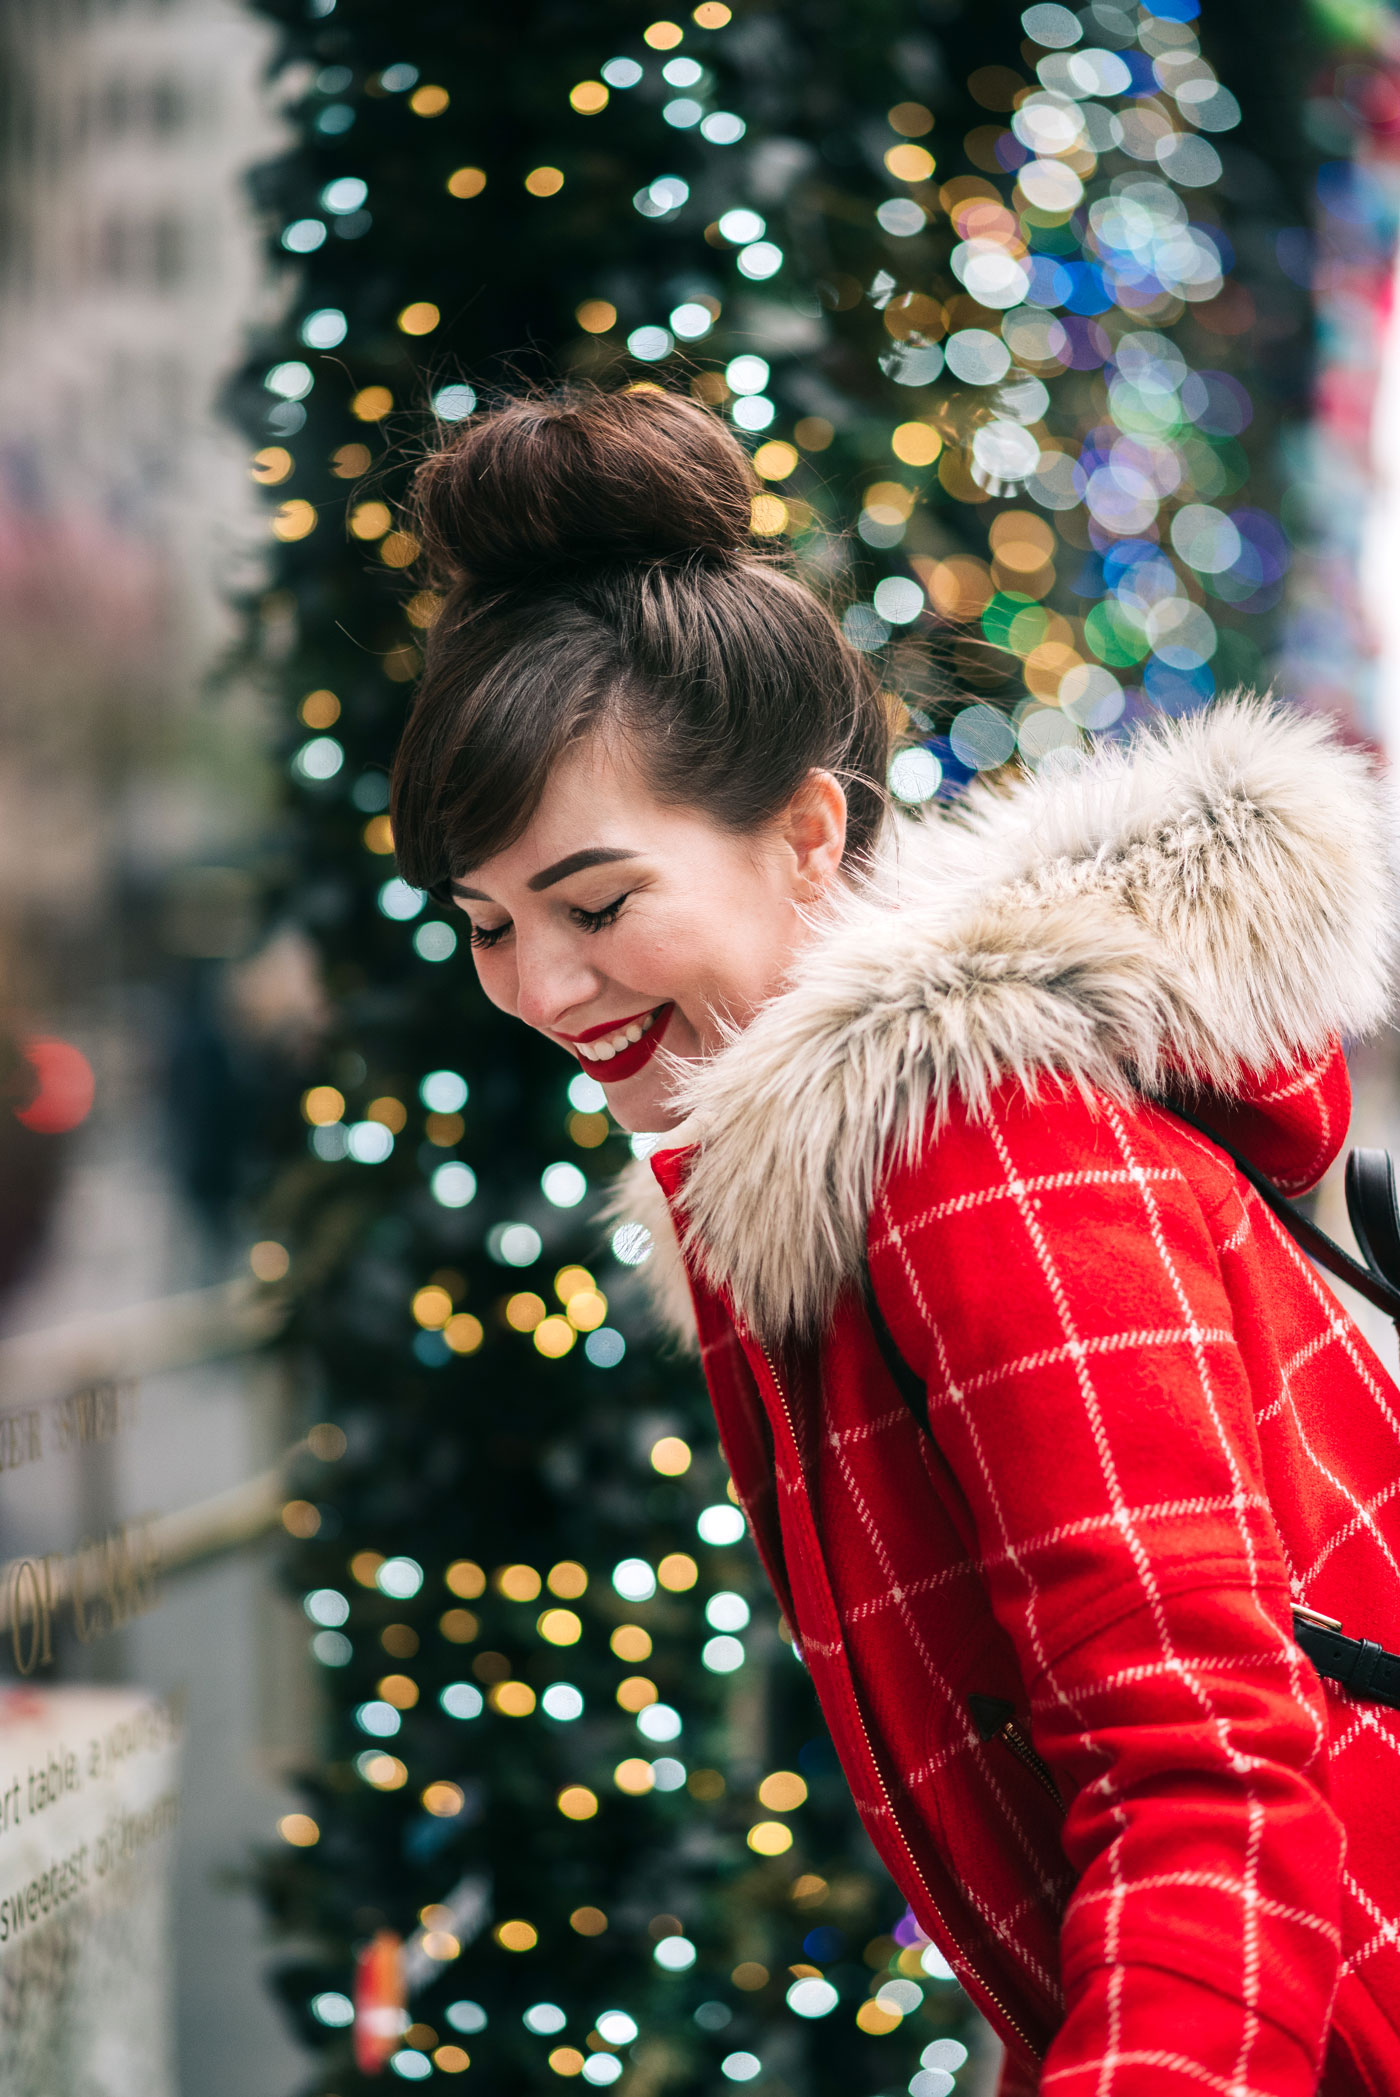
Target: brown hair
pixel 596 555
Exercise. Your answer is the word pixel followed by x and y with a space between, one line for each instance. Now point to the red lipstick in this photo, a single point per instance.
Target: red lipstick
pixel 611 1026
pixel 627 1062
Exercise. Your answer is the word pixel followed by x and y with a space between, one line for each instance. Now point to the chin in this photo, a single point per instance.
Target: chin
pixel 644 1104
pixel 641 1107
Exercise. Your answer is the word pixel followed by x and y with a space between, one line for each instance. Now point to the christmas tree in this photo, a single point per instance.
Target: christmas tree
pixel 966 280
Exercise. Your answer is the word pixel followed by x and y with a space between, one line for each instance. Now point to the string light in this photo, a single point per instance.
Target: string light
pixel 464 1333
pixel 445 1802
pixel 769 1838
pixel 299 1829
pixel 516 1936
pixel 782 1792
pixel 384 1772
pixel 369 520
pixel 577 1802
pixel 511 1699
pixel 372 403
pixel 294 520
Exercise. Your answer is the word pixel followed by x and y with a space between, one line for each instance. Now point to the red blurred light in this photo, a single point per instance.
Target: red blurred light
pixel 66 1087
pixel 379 2002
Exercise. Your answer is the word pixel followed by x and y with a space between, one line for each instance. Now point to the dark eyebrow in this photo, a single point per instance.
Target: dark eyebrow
pixel 575 863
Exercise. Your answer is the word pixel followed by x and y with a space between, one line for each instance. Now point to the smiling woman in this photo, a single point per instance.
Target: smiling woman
pixel 671 930
pixel 635 733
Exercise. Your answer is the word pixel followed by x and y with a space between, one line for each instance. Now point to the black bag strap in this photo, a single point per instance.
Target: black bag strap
pixel 906 1380
pixel 1374 1212
pixel 1370 1202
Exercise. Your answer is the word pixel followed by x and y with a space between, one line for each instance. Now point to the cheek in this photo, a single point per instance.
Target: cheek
pixel 660 952
pixel 719 956
pixel 495 972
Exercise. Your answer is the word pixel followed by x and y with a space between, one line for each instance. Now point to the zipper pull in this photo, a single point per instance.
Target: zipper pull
pixel 995 1719
pixel 990 1715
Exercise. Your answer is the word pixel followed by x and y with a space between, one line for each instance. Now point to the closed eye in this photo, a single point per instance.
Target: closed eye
pixel 598 920
pixel 489 935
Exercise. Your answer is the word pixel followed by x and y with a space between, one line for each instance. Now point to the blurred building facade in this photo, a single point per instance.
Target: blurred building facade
pixel 132 789
pixel 128 270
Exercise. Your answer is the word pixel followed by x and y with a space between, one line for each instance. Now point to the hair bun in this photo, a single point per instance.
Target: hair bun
pixel 583 477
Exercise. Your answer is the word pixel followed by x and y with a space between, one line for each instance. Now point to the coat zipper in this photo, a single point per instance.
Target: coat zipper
pixel 995 1719
pixel 993 1998
pixel 1023 1751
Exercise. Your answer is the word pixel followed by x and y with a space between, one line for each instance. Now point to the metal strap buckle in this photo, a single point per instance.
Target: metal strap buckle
pixel 1315 1616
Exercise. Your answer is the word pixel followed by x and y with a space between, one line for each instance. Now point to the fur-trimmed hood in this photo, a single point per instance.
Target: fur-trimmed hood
pixel 1211 897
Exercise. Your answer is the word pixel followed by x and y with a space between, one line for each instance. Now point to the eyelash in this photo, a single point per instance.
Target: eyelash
pixel 598 920
pixel 487 936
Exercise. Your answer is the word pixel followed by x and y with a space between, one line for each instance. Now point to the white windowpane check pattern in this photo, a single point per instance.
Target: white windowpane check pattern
pixel 1155 1430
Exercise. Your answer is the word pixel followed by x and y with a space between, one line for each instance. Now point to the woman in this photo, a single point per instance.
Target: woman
pixel 1050 1622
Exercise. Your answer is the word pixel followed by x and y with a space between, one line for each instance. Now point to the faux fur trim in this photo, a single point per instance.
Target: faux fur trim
pixel 1213 895
pixel 636 1197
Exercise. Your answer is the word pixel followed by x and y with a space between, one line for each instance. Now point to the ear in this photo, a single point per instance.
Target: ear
pixel 813 827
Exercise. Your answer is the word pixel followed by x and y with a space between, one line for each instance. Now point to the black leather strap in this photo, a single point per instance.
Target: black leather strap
pixel 1359 1664
pixel 906 1381
pixel 1369 1282
pixel 1374 1214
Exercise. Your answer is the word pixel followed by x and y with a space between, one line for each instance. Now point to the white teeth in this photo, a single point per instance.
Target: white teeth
pixel 605 1048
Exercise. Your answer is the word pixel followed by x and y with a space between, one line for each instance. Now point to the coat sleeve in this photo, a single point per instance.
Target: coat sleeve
pixel 1054 1276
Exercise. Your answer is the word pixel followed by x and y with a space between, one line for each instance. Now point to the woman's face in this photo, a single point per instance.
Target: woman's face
pixel 617 924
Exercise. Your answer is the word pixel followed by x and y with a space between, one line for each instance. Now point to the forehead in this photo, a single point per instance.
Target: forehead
pixel 598 799
pixel 594 797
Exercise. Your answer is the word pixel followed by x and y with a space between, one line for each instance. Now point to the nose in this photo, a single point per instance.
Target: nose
pixel 553 984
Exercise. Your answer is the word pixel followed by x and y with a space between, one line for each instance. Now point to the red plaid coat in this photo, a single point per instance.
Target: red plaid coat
pixel 1152 1429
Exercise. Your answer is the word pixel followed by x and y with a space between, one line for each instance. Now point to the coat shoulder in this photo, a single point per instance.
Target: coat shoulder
pixel 1021 1155
pixel 1213 899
